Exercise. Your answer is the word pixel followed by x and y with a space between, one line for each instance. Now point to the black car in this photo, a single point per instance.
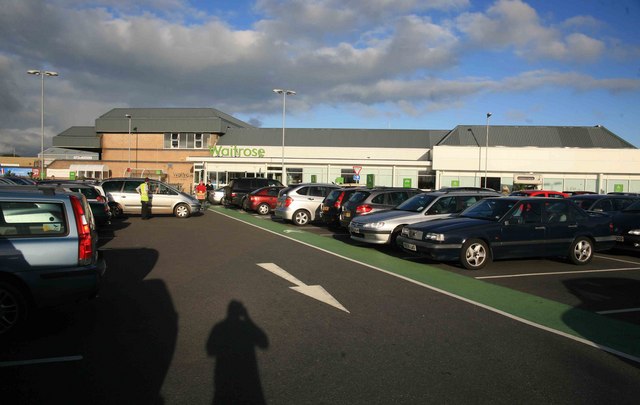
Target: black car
pixel 332 205
pixel 626 225
pixel 603 202
pixel 236 191
pixel 512 227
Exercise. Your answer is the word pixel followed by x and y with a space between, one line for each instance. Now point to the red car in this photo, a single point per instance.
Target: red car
pixel 540 193
pixel 262 200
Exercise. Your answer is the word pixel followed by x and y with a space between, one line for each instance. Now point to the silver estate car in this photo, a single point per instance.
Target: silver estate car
pixel 124 199
pixel 383 227
pixel 301 203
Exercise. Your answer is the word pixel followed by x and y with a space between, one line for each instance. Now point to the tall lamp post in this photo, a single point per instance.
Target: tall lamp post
pixel 284 93
pixel 486 151
pixel 42 74
pixel 128 116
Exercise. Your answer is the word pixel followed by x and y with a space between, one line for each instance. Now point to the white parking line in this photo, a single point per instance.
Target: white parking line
pixel 617 260
pixel 618 311
pixel 39 361
pixel 555 273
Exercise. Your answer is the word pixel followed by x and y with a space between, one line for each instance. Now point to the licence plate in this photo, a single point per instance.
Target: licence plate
pixel 409 246
pixel 347 214
pixel 325 209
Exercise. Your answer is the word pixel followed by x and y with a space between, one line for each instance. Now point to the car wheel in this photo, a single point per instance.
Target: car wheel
pixel 13 307
pixel 581 251
pixel 181 211
pixel 394 235
pixel 475 254
pixel 263 209
pixel 116 210
pixel 301 217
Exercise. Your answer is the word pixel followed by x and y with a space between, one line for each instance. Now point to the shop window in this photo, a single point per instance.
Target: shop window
pixel 294 175
pixel 426 180
pixel 347 175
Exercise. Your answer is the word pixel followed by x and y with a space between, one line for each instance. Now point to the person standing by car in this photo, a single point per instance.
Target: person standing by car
pixel 209 188
pixel 201 193
pixel 143 190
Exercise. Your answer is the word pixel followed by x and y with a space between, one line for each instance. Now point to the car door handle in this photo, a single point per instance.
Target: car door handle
pixel 538 228
pixel 573 226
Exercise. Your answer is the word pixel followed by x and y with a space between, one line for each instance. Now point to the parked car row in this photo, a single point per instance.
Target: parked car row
pixel 472 226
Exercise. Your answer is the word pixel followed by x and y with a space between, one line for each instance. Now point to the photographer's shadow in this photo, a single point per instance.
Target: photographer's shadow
pixel 232 342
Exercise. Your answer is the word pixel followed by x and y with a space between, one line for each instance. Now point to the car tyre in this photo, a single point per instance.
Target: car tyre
pixel 13 308
pixel 301 217
pixel 263 209
pixel 116 210
pixel 181 211
pixel 394 235
pixel 475 254
pixel 581 251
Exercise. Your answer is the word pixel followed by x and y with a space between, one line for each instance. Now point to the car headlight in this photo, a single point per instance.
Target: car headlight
pixel 434 236
pixel 412 233
pixel 634 232
pixel 373 225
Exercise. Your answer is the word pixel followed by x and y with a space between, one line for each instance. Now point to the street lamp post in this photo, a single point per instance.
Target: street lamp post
pixel 284 93
pixel 128 116
pixel 486 151
pixel 42 74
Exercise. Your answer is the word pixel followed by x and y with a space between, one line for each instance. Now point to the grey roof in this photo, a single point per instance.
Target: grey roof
pixel 77 137
pixel 364 138
pixel 207 120
pixel 537 136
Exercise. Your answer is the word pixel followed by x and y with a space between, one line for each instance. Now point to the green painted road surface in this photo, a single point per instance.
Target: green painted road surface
pixel 612 335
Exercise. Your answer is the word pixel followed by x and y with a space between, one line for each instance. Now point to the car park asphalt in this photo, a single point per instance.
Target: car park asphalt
pixel 584 303
pixel 189 303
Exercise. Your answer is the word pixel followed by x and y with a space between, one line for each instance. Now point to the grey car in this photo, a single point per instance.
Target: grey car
pixel 382 228
pixel 124 199
pixel 366 201
pixel 301 203
pixel 48 251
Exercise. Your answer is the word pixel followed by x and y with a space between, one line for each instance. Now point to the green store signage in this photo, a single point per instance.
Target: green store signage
pixel 234 151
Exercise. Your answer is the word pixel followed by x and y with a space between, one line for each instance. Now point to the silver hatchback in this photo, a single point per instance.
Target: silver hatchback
pixel 124 199
pixel 301 203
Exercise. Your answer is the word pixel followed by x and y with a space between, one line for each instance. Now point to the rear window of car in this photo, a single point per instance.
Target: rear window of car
pixel 89 192
pixel 32 219
pixel 110 186
pixel 359 196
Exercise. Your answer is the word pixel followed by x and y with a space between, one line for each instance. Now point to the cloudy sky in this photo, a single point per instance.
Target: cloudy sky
pixel 410 64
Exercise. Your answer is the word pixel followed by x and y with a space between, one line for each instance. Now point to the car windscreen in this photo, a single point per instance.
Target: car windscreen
pixel 358 197
pixel 417 203
pixel 633 207
pixel 492 209
pixel 584 203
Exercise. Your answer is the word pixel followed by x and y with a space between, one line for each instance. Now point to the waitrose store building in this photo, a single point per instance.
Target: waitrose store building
pixel 183 146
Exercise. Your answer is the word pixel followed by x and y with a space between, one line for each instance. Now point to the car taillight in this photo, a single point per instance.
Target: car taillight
pixel 233 195
pixel 338 202
pixel 101 198
pixel 363 209
pixel 288 201
pixel 85 245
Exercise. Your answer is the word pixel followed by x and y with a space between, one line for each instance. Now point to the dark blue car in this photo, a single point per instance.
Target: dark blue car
pixel 511 227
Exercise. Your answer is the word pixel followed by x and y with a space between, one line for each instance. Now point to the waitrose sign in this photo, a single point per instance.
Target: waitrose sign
pixel 234 151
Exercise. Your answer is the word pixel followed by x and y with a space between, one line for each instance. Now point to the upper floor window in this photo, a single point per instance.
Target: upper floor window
pixel 185 140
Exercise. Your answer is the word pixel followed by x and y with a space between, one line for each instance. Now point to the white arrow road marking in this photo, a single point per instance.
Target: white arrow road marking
pixel 313 291
pixel 292 231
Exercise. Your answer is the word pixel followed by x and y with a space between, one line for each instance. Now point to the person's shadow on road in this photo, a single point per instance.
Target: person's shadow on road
pixel 232 342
